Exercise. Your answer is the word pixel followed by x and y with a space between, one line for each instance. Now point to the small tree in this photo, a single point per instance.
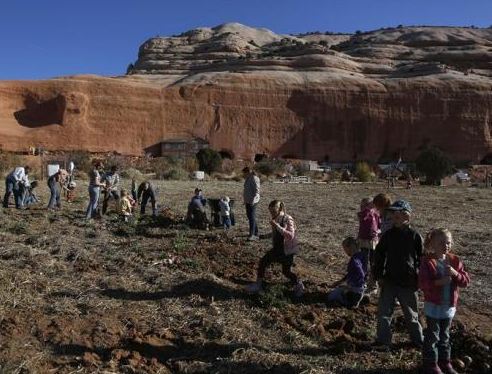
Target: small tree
pixel 209 160
pixel 363 171
pixel 434 164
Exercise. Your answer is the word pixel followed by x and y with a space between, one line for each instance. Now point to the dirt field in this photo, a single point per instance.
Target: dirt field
pixel 80 297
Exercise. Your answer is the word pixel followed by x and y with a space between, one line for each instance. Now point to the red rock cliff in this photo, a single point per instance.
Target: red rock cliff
pixel 247 91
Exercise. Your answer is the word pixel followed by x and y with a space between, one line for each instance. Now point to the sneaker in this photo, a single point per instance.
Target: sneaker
pixel 299 289
pixel 254 288
pixel 252 238
pixel 446 367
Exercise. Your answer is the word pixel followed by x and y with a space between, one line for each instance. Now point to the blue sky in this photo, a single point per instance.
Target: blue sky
pixel 49 38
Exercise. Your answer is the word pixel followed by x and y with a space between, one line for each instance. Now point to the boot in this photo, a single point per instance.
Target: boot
pixel 299 289
pixel 432 368
pixel 446 367
pixel 255 287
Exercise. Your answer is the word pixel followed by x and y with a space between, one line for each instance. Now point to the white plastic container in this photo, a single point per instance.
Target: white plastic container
pixel 199 175
pixel 52 169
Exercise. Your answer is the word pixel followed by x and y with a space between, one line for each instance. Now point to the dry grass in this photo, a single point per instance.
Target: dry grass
pixel 101 296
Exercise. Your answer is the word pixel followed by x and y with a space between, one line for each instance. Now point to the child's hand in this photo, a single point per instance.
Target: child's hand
pixel 443 281
pixel 452 271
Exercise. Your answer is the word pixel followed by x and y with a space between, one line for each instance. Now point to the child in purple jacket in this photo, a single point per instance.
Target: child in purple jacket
pixel 351 292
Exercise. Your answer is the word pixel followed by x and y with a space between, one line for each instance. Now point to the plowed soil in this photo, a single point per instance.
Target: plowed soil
pixel 154 296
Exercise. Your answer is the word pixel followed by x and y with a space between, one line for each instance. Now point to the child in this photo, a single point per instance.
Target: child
pixel 125 205
pixel 382 202
pixel 441 273
pixel 225 212
pixel 350 295
pixel 368 236
pixel 285 246
pixel 396 264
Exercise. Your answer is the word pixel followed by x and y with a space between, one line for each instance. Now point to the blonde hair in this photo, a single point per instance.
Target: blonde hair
pixel 352 243
pixel 277 205
pixel 382 200
pixel 434 234
pixel 124 192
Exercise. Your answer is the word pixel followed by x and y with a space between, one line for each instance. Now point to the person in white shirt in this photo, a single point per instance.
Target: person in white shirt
pixel 16 183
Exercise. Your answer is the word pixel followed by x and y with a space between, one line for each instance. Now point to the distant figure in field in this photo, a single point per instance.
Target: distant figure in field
pixel 225 212
pixel 95 185
pixel 16 183
pixel 55 183
pixel 111 180
pixel 251 197
pixel 350 289
pixel 196 214
pixel 125 205
pixel 285 246
pixel 145 193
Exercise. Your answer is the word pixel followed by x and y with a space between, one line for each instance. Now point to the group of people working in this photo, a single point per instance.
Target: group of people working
pixel 388 258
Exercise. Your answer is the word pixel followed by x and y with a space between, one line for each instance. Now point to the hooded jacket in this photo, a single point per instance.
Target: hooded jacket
pixel 429 274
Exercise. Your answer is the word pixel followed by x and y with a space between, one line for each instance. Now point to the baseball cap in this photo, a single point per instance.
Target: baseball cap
pixel 400 205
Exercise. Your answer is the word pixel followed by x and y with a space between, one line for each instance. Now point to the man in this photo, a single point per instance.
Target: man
pixel 16 183
pixel 144 193
pixel 251 197
pixel 112 181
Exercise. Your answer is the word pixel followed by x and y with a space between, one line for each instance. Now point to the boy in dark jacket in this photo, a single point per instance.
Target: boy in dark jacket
pixel 397 260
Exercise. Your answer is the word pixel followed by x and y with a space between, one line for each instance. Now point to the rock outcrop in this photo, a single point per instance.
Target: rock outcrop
pixel 372 96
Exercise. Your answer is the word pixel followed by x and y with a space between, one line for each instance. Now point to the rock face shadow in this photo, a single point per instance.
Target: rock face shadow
pixel 41 113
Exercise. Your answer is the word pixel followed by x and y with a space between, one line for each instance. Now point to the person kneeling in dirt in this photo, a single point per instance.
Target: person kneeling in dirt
pixel 196 215
pixel 285 246
pixel 125 205
pixel 144 193
pixel 15 183
pixel 350 294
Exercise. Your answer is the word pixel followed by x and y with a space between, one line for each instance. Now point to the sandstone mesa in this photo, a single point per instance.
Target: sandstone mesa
pixel 338 97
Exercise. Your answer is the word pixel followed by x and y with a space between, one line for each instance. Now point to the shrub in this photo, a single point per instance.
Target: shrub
pixel 8 161
pixel 209 160
pixel 132 173
pixel 176 173
pixel 300 168
pixel 363 171
pixel 434 164
pixel 269 167
pixel 81 159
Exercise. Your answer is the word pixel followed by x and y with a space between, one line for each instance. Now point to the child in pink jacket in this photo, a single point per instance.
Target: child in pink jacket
pixel 285 246
pixel 440 276
pixel 368 236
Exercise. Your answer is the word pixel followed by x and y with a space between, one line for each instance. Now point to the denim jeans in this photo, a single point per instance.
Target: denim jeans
pixel 436 340
pixel 94 192
pixel 145 198
pixel 55 196
pixel 251 214
pixel 11 186
pixel 226 221
pixel 407 296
